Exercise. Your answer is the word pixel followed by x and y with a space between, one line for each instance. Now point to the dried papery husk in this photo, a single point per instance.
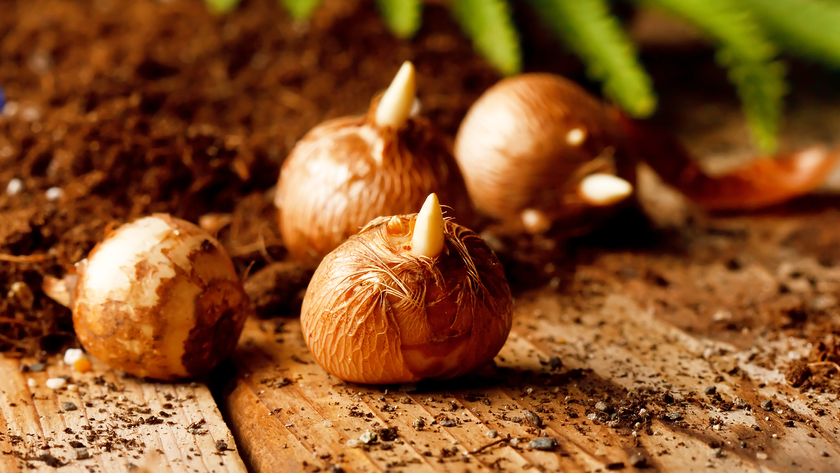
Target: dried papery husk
pixel 159 297
pixel 61 290
pixel 376 313
pixel 762 182
pixel 527 143
pixel 347 171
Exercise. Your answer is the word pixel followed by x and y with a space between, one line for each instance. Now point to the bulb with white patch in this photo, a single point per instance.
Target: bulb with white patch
pixel 158 297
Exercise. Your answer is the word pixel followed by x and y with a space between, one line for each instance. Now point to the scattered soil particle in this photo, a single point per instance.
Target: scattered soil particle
pixel 531 418
pixel 81 453
pixel 543 443
pixel 50 460
pixel 68 406
pixel 387 434
pixel 798 372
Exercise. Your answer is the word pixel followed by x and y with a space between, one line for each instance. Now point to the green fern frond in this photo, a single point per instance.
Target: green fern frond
pixel 591 32
pixel 403 17
pixel 218 7
pixel 810 28
pixel 749 56
pixel 488 23
pixel 301 9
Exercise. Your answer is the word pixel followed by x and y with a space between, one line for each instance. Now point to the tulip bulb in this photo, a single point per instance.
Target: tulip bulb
pixel 526 147
pixel 348 171
pixel 392 305
pixel 158 297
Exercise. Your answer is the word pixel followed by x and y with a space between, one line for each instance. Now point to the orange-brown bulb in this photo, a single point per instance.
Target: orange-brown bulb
pixel 527 144
pixel 348 171
pixel 379 311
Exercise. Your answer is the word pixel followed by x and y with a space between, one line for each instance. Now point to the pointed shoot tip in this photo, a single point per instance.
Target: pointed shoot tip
pixel 395 105
pixel 602 190
pixel 428 229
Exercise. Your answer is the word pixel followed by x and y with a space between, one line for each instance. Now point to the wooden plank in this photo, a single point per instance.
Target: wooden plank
pixel 648 362
pixel 121 422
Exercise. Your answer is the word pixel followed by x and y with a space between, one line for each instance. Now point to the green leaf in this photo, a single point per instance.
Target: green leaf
pixel 490 26
pixel 301 9
pixel 591 32
pixel 806 28
pixel 218 7
pixel 403 17
pixel 750 57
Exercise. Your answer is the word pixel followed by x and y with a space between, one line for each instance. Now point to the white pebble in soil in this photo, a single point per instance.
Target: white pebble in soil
pixel 31 114
pixel 11 108
pixel 54 193
pixel 73 355
pixel 14 186
pixel 56 383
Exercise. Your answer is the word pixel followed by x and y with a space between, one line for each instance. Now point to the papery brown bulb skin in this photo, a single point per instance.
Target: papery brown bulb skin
pixel 375 313
pixel 527 143
pixel 160 298
pixel 348 171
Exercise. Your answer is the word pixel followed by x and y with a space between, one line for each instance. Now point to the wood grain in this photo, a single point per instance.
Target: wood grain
pixel 308 421
pixel 121 422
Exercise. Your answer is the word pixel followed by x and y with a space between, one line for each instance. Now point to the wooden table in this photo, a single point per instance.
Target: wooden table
pixel 107 422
